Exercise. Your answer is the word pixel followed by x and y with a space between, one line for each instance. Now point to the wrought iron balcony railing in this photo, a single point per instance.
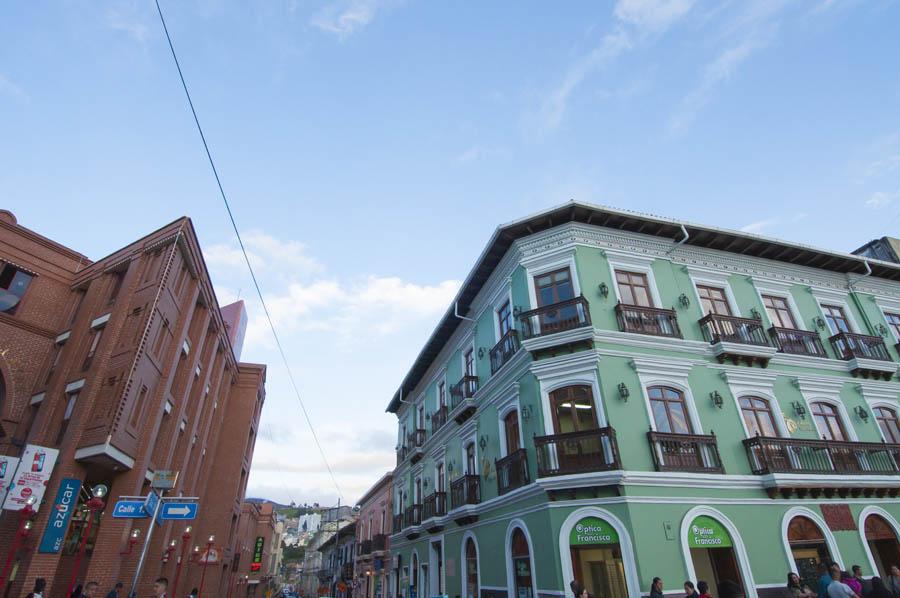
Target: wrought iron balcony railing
pixel 439 418
pixel 399 521
pixel 848 345
pixel 731 329
pixel 577 452
pixel 791 455
pixel 464 389
pixel 503 351
pixel 413 515
pixel 647 320
pixel 685 452
pixel 465 490
pixel 435 505
pixel 512 471
pixel 797 342
pixel 379 542
pixel 558 317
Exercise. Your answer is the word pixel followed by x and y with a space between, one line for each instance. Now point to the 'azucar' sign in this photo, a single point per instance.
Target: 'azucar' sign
pixel 706 532
pixel 63 506
pixel 593 530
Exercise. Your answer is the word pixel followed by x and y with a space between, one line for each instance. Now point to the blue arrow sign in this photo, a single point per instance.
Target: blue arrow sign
pixel 178 510
pixel 129 509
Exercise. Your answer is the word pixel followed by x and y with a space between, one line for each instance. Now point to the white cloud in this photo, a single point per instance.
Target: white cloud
pixel 882 166
pixel 654 15
pixel 881 199
pixel 759 226
pixel 128 24
pixel 266 253
pixel 716 72
pixel 10 88
pixel 345 17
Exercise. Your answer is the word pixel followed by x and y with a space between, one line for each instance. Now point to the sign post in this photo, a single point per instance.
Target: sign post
pixel 146 547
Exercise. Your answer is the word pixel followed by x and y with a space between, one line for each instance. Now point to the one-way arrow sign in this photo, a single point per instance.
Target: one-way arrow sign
pixel 178 510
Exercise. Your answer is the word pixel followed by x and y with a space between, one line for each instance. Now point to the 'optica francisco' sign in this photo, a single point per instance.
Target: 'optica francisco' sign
pixel 706 532
pixel 593 530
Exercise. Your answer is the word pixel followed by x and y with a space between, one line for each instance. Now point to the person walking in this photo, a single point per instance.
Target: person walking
pixel 689 590
pixel 879 590
pixel 656 588
pixel 837 588
pixel 38 592
pixel 91 590
pixel 865 585
pixel 824 579
pixel 703 588
pixel 796 589
pixel 850 580
pixel 114 593
pixel 160 587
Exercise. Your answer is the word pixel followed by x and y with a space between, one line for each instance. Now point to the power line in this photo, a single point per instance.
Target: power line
pixel 212 165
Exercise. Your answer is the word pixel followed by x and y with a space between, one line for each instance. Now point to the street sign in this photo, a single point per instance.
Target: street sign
pixel 66 498
pixel 178 510
pixel 150 503
pixel 164 480
pixel 129 509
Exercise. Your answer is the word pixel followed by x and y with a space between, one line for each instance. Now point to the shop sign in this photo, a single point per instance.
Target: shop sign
pixel 31 478
pixel 593 530
pixel 258 549
pixel 63 507
pixel 706 532
pixel 7 470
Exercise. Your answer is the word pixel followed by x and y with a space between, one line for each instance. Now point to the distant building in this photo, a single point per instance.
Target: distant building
pixel 373 530
pixel 885 248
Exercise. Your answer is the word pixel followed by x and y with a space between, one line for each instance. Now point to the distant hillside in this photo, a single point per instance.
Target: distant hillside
pixel 278 506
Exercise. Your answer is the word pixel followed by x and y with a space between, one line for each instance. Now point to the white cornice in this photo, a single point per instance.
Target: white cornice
pixel 661 366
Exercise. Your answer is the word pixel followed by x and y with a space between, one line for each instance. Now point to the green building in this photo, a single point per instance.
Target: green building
pixel 614 397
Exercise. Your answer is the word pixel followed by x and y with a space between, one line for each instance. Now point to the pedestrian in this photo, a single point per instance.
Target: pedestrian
pixel 703 588
pixel 730 589
pixel 160 587
pixel 689 590
pixel 796 589
pixel 824 579
pixel 577 588
pixel 656 588
pixel 879 590
pixel 38 592
pixel 864 584
pixel 837 588
pixel 850 580
pixel 76 593
pixel 91 590
pixel 193 593
pixel 893 584
pixel 114 593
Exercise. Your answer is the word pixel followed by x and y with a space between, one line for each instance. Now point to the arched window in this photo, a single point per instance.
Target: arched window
pixel 669 410
pixel 511 431
pixel 758 417
pixel 472 590
pixel 573 409
pixel 828 421
pixel 887 421
pixel 521 562
pixel 882 543
pixel 808 548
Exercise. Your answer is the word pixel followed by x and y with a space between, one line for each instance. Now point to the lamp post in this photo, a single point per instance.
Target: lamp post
pixel 132 540
pixel 168 552
pixel 209 544
pixel 185 539
pixel 94 504
pixel 21 533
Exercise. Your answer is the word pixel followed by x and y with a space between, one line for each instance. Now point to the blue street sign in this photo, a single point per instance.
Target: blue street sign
pixel 150 503
pixel 66 497
pixel 178 510
pixel 129 509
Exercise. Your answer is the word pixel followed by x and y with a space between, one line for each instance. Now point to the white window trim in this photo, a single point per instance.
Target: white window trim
pixel 781 294
pixel 469 535
pixel 672 373
pixel 473 439
pixel 743 560
pixel 823 527
pixel 842 413
pixel 756 384
pixel 884 405
pixel 511 404
pixel 440 461
pixel 831 299
pixel 506 298
pixel 539 267
pixel 864 514
pixel 717 280
pixel 510 573
pixel 568 371
pixel 101 320
pixel 889 306
pixel 470 346
pixel 638 264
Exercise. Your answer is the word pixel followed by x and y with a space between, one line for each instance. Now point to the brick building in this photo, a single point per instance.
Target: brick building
pixel 125 366
pixel 374 528
pixel 257 568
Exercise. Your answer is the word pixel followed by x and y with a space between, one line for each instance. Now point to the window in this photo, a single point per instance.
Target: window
pixel 71 400
pixel 837 320
pixel 76 306
pixel 471 570
pixel 504 319
pixel 470 459
pixel 758 417
pixel 138 408
pixel 554 287
pixel 828 421
pixel 521 563
pixel 418 494
pixel 633 288
pixel 511 429
pixel 893 321
pixel 469 362
pixel 573 409
pixel 420 419
pixel 713 301
pixel 115 286
pixel 779 312
pixel 442 394
pixel 13 284
pixel 669 410
pixel 439 477
pixel 54 362
pixel 887 421
pixel 96 335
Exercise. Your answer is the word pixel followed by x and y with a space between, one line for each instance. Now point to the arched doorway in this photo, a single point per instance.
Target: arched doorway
pixel 712 553
pixel 414 576
pixel 471 564
pixel 520 553
pixel 597 562
pixel 808 548
pixel 882 543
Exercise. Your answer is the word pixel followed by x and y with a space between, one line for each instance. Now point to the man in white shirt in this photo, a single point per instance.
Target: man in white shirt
pixel 838 589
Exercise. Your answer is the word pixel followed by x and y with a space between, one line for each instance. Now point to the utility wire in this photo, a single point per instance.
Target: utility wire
pixel 212 164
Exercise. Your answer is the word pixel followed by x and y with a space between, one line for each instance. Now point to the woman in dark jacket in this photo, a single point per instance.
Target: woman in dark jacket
pixel 656 590
pixel 879 590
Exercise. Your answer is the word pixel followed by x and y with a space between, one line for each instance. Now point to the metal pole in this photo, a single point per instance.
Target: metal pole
pixel 146 548
pixel 84 539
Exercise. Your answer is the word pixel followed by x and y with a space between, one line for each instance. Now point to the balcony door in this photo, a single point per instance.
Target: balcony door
pixel 713 300
pixel 552 288
pixel 633 288
pixel 573 412
pixel 470 459
pixel 670 415
pixel 760 421
pixel 779 312
pixel 887 422
pixel 511 430
pixel 831 427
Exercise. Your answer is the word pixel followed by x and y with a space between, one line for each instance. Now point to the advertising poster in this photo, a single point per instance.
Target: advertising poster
pixel 63 506
pixel 7 471
pixel 31 477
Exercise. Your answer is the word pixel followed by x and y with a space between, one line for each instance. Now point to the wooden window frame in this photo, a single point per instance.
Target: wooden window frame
pixel 630 284
pixel 894 436
pixel 785 307
pixel 756 411
pixel 835 415
pixel 713 301
pixel 570 396
pixel 666 401
pixel 556 297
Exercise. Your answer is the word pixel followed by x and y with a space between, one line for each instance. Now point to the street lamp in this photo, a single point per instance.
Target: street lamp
pixel 185 540
pixel 22 533
pixel 93 505
pixel 168 552
pixel 205 562
pixel 132 540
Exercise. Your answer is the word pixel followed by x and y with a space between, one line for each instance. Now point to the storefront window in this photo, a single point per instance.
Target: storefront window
pixel 712 552
pixel 808 548
pixel 471 569
pixel 521 561
pixel 597 558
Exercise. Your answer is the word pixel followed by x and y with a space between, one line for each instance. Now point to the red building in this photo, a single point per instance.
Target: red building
pixel 374 528
pixel 126 367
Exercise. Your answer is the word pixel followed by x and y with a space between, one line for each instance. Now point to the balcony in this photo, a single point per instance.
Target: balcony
pixel 379 543
pixel 415 443
pixel 566 324
pixel 685 452
pixel 647 320
pixel 402 454
pixel 347 571
pixel 504 350
pixel 364 548
pixel 773 456
pixel 438 419
pixel 465 490
pixel 577 452
pixel 398 523
pixel 797 342
pixel 435 507
pixel 412 519
pixel 462 401
pixel 866 356
pixel 512 472
pixel 737 339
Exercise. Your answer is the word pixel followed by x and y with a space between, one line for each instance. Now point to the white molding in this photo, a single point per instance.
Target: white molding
pixel 628 262
pixel 716 279
pixel 631 339
pixel 781 290
pixel 73 386
pixel 556 339
pixel 507 544
pixel 625 545
pixel 463 573
pixel 754 383
pixel 36 399
pixel 504 408
pixel 673 373
pixel 63 337
pixel 736 540
pixel 550 262
pixel 101 320
pixel 799 511
pixel 861 528
pixel 568 370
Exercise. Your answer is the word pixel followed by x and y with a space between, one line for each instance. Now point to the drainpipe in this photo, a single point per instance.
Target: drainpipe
pixel 681 241
pixel 855 298
pixel 458 315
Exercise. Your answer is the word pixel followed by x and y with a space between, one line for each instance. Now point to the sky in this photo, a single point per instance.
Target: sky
pixel 369 148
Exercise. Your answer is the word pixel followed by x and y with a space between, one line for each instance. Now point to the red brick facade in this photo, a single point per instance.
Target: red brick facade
pixel 140 332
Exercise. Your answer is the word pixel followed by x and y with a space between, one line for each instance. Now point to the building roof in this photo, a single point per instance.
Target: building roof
pixel 575 211
pixel 383 481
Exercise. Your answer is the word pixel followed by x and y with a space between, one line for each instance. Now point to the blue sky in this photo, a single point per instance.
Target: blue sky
pixel 370 147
